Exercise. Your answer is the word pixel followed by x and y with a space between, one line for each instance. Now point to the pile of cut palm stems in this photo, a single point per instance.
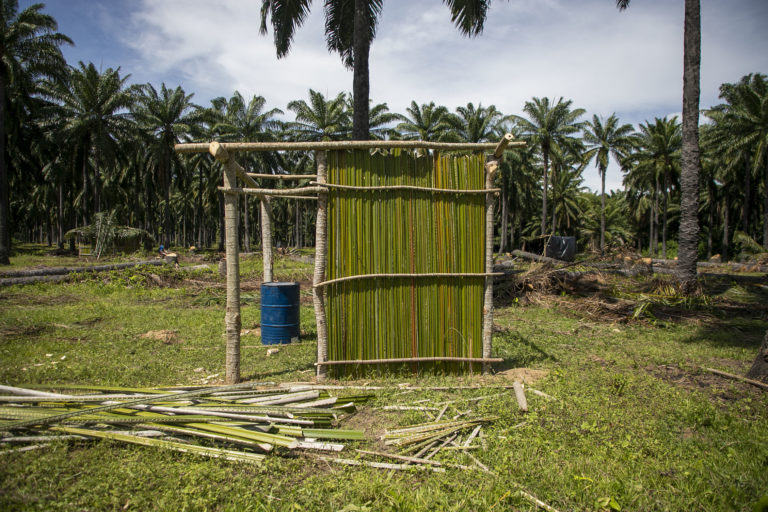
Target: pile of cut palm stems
pixel 209 421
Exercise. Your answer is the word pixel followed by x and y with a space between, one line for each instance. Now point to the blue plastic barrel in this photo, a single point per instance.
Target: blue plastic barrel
pixel 279 313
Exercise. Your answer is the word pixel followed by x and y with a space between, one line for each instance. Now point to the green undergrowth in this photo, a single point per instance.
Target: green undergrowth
pixel 637 424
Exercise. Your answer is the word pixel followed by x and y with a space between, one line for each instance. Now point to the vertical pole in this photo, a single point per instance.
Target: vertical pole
pixel 266 238
pixel 491 166
pixel 319 275
pixel 232 319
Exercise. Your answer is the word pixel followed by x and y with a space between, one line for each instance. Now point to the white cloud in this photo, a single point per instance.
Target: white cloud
pixel 604 60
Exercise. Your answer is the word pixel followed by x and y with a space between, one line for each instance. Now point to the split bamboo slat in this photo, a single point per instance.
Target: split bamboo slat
pixel 401 226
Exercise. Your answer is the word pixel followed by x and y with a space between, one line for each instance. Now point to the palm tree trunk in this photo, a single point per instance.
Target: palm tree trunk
pixel 765 207
pixel 246 226
pixel 5 224
pixel 688 241
pixel 545 154
pixel 725 249
pixel 747 194
pixel 503 242
pixel 60 217
pixel 664 217
pixel 360 83
pixel 602 213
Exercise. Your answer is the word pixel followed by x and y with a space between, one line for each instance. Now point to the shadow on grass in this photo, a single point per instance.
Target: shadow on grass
pixel 733 331
pixel 518 351
pixel 275 373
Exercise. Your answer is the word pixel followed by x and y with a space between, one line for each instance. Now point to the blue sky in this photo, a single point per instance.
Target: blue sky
pixel 604 60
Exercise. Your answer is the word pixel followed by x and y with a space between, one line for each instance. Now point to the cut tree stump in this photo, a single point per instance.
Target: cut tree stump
pixel 759 370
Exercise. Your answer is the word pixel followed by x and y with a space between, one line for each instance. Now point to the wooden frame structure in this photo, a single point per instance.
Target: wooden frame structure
pixel 319 189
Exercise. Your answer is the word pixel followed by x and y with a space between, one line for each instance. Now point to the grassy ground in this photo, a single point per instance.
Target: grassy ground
pixel 637 424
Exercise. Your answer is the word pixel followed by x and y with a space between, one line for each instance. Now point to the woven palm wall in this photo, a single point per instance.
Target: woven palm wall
pixel 405 231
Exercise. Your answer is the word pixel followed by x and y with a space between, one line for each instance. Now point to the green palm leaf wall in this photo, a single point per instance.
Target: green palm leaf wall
pixel 405 231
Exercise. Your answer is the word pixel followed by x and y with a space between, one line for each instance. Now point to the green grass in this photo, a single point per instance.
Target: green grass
pixel 637 425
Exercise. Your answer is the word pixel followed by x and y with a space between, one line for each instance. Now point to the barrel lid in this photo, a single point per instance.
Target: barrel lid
pixel 280 283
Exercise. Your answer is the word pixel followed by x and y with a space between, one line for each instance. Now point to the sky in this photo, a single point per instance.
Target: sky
pixel 605 61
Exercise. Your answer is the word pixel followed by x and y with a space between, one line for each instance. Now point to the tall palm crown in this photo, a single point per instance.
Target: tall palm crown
pixel 473 124
pixel 551 128
pixel 93 110
pixel 251 122
pixel 425 122
pixel 742 128
pixel 320 119
pixel 29 49
pixel 350 28
pixel 606 138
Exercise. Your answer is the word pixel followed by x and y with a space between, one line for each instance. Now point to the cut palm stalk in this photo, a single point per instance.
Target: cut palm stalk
pixel 442 411
pixel 472 436
pixel 476 461
pixel 522 403
pixel 264 447
pixel 283 399
pixel 244 417
pixel 169 445
pixel 26 448
pixel 337 433
pixel 442 445
pixel 36 439
pixel 326 447
pixel 380 465
pixel 28 392
pixel 261 437
pixel 408 408
pixel 415 460
pixel 318 403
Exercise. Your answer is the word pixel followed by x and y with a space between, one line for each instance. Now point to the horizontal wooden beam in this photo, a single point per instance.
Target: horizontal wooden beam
pixel 415 360
pixel 283 176
pixel 410 187
pixel 433 274
pixel 276 192
pixel 202 147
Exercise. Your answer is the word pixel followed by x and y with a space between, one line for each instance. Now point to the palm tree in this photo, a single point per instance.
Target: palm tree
pixel 167 117
pixel 29 48
pixel 688 238
pixel 350 27
pixel 320 119
pixel 425 122
pixel 549 127
pixel 605 138
pixel 473 124
pixel 742 131
pixel 657 159
pixel 93 109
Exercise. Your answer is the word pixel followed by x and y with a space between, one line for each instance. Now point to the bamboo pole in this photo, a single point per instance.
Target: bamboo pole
pixel 202 147
pixel 232 318
pixel 490 170
pixel 433 274
pixel 410 187
pixel 266 237
pixel 485 360
pixel 319 274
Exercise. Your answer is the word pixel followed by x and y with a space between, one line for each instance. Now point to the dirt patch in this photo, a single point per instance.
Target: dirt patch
pixel 524 375
pixel 20 330
pixel 373 422
pixel 167 337
pixel 720 389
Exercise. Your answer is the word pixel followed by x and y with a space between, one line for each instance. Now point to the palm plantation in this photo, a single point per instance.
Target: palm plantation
pixel 29 49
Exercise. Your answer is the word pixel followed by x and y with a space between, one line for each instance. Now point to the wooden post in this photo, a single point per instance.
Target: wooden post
pixel 232 318
pixel 266 237
pixel 319 275
pixel 491 166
